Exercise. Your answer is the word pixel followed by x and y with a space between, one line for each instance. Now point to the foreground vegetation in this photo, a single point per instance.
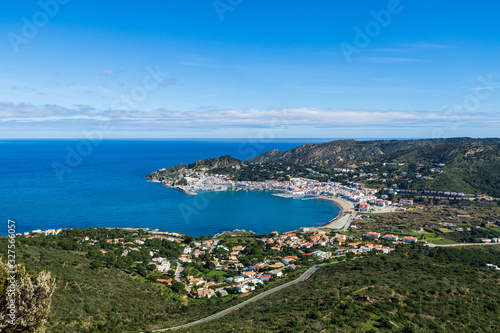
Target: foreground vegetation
pixel 418 290
pixel 107 293
pixel 414 289
pixel 104 299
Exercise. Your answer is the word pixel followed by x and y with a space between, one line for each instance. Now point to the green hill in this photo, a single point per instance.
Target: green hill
pixel 471 165
pixel 424 290
pixel 175 173
pixel 417 289
pixel 102 299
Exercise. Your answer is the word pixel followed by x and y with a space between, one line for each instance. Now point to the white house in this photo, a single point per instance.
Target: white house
pixel 276 272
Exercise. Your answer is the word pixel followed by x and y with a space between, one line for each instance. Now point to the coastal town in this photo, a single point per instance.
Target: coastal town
pixel 235 262
pixel 367 187
pixel 238 262
pixel 241 262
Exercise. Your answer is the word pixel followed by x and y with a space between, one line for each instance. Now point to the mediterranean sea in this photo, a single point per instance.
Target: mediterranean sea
pixel 51 184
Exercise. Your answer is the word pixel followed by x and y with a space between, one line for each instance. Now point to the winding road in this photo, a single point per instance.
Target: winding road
pixel 307 274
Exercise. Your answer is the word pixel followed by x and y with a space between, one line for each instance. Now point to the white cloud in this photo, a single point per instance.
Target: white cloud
pixel 390 60
pixel 425 45
pixel 482 88
pixel 84 116
pixel 109 72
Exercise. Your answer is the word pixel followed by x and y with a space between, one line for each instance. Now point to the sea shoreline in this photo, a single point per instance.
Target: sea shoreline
pixel 345 208
pixel 178 188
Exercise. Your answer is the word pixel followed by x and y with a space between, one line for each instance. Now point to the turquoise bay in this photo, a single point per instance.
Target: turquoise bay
pixel 107 188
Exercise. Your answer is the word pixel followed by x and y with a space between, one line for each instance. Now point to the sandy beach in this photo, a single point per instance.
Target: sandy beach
pixel 344 205
pixel 346 208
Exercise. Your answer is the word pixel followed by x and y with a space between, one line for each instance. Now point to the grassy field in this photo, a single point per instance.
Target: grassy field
pixel 438 240
pixel 349 233
pixel 431 219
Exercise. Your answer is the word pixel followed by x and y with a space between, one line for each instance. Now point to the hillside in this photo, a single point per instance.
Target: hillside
pixel 175 173
pixel 471 165
pixel 459 164
pixel 102 297
pixel 333 152
pixel 337 151
pixel 432 289
pixel 424 290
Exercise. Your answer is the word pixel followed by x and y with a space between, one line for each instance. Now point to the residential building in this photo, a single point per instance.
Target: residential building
pixel 390 237
pixel 409 239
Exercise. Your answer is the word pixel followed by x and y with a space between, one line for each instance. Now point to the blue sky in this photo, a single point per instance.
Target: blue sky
pixel 249 68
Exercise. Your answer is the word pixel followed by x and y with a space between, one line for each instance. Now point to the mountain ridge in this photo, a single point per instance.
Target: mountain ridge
pixel 465 164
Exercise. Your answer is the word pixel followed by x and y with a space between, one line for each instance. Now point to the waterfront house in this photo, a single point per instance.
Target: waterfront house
pixel 363 207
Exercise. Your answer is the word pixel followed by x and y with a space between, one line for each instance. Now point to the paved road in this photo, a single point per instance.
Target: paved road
pixel 307 274
pixel 177 277
pixel 349 221
pixel 461 244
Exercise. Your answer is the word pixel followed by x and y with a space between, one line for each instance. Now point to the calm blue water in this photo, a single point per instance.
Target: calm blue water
pixel 106 188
